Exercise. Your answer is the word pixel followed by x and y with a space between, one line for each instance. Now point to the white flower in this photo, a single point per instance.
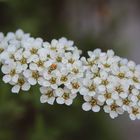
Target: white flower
pixel 31 48
pixel 89 87
pixel 63 76
pixel 33 77
pixel 121 89
pixel 64 96
pixel 7 56
pixel 91 103
pixel 126 104
pixel 106 97
pixel 74 86
pixel 108 60
pixel 107 82
pixel 66 44
pixel 134 113
pixel 20 84
pixel 37 64
pixel 48 95
pixel 121 72
pixel 51 80
pixel 113 110
pixel 11 72
pixel 76 70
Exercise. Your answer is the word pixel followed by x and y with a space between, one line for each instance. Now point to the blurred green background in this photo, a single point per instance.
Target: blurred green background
pixel 91 24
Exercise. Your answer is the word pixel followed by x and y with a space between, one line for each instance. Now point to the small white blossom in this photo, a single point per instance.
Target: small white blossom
pixel 20 84
pixel 134 112
pixel 89 88
pixel 11 72
pixel 64 96
pixel 33 77
pixel 48 95
pixel 91 103
pixel 74 86
pixel 113 110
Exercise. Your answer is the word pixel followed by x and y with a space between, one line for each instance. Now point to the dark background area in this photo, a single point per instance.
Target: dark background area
pixel 105 24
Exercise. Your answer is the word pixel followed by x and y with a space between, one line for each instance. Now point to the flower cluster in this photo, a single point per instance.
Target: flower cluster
pixel 111 82
pixel 55 66
pixel 104 80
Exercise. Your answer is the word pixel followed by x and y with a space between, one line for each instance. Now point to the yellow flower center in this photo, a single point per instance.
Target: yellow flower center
pixel 13 72
pixel 40 63
pixel 113 107
pixel 106 65
pixel 121 75
pixel 59 59
pixel 119 89
pixel 35 75
pixel 71 61
pixel 135 79
pixel 33 51
pixel 23 60
pixel 49 93
pixel 92 87
pixel 64 78
pixel 53 80
pixel 75 85
pixel 135 111
pixel 65 95
pixel 105 82
pixel 107 95
pixel 93 102
pixel 126 102
pixel 75 70
pixel 21 81
pixel 1 50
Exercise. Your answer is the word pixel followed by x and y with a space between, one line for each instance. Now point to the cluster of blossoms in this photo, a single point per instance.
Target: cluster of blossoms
pixel 55 66
pixel 111 82
pixel 104 79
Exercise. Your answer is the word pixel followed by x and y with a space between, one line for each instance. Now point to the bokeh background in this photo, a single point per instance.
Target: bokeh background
pixel 105 24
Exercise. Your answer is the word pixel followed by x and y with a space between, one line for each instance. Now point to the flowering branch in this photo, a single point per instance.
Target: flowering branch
pixel 103 79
